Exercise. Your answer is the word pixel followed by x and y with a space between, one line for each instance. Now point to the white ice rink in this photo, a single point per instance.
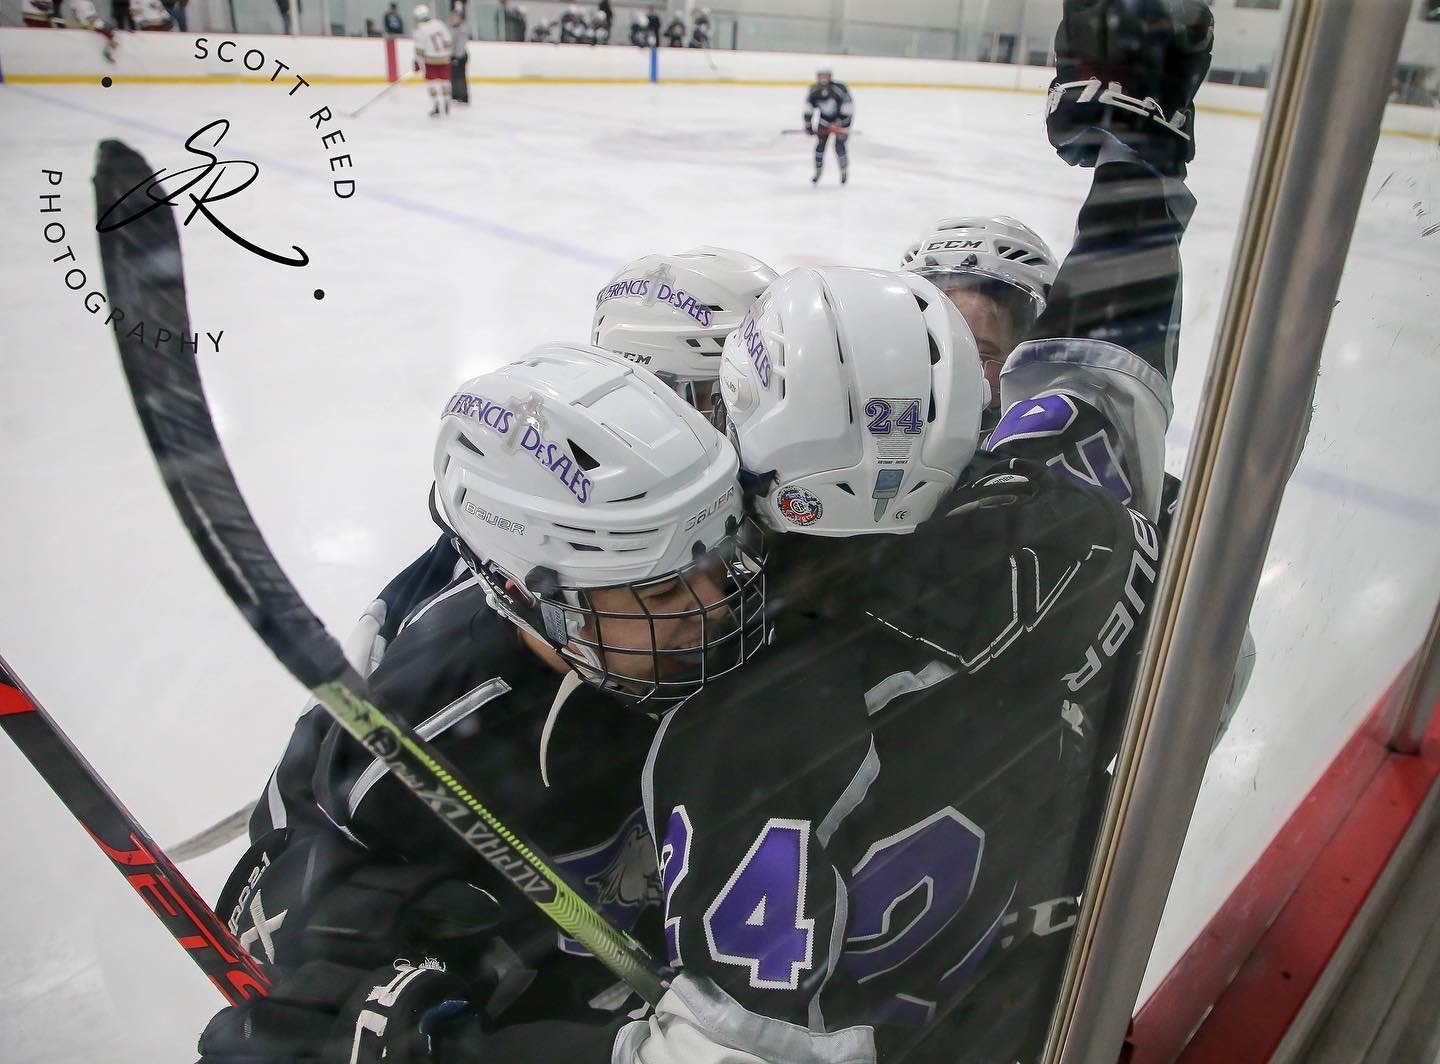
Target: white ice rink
pixel 467 241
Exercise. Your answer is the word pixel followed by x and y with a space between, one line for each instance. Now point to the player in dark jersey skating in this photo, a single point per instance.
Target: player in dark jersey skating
pixel 829 110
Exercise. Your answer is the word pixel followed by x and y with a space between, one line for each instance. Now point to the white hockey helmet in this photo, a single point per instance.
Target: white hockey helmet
pixel 957 250
pixel 422 12
pixel 671 313
pixel 854 398
pixel 572 470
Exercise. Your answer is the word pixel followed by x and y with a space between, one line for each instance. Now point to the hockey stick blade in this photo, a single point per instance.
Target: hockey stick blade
pixel 185 914
pixel 143 272
pixel 221 833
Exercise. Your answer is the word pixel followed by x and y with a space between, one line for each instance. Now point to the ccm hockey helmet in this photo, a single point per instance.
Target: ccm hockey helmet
pixel 671 314
pixel 1000 249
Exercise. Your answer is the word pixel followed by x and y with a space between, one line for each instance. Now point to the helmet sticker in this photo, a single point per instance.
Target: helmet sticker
pixel 755 348
pixel 626 286
pixel 657 286
pixel 478 408
pixel 799 506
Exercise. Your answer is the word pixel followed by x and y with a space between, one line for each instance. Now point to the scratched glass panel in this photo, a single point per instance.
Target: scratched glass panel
pixel 351 259
pixel 1351 578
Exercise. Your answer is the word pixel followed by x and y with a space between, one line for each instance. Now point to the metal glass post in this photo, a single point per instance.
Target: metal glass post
pixel 1323 114
pixel 1417 702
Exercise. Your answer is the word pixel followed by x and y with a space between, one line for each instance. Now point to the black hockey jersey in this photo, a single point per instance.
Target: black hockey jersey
pixel 832 102
pixel 1088 392
pixel 456 672
pixel 872 838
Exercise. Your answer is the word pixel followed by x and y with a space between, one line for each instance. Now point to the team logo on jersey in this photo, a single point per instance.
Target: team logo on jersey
pixel 622 874
pixel 629 879
pixel 799 506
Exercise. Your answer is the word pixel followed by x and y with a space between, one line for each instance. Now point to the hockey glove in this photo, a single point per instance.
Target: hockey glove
pixel 327 1012
pixel 302 896
pixel 1130 68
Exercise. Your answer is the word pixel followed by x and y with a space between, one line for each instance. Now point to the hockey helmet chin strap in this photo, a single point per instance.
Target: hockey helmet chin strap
pixel 531 610
pixel 552 618
pixel 547 622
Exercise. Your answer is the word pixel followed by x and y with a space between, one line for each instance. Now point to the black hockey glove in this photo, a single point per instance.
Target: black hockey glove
pixel 1132 68
pixel 303 896
pixel 325 1012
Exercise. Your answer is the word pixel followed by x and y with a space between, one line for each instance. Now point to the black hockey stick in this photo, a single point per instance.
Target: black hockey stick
pixel 143 273
pixel 131 850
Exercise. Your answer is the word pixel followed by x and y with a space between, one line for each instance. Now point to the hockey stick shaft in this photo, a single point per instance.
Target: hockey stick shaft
pixel 143 270
pixel 382 93
pixel 185 914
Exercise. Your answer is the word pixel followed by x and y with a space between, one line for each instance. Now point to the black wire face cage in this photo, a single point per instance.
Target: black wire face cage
pixel 661 640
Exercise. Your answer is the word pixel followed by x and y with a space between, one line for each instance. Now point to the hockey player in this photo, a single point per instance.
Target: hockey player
pixel 829 101
pixel 998 271
pixel 86 15
pixel 433 46
pixel 542 616
pixel 672 313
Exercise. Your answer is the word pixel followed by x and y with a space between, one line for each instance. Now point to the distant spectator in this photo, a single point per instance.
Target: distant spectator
pixel 609 12
pixel 571 25
pixel 459 58
pixel 40 14
pixel 600 27
pixel 512 24
pixel 150 15
pixel 394 25
pixel 177 12
pixel 675 32
pixel 371 30
pixel 700 33
pixel 652 26
pixel 120 15
pixel 639 33
pixel 284 6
